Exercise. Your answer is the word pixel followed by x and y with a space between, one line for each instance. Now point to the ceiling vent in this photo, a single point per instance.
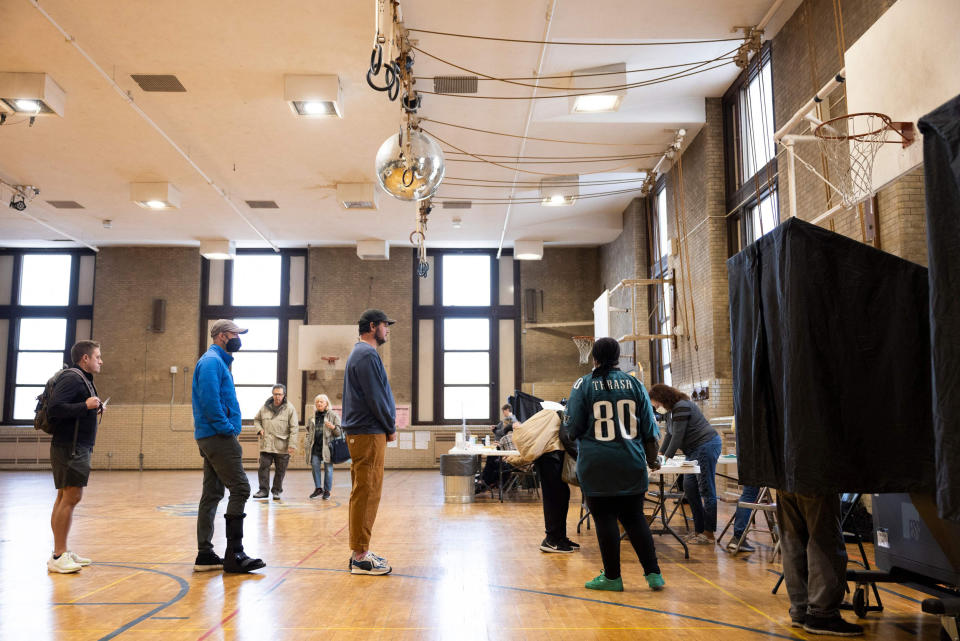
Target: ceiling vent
pixel 457 204
pixel 65 204
pixel 455 84
pixel 163 83
pixel 357 195
pixel 373 249
pixel 262 204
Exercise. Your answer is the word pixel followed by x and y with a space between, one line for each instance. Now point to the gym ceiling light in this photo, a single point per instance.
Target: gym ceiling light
pixel 155 196
pixel 558 191
pixel 32 94
pixel 314 96
pixel 218 249
pixel 528 249
pixel 598 100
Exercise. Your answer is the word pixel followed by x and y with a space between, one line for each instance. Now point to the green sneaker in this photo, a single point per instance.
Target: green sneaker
pixel 601 582
pixel 655 581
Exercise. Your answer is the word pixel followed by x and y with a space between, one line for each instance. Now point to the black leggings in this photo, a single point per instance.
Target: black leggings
pixel 628 510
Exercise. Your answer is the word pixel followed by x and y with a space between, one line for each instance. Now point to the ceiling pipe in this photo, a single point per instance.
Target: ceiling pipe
pixel 129 99
pixel 526 127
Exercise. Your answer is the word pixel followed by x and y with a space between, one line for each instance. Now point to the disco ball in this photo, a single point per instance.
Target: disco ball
pixel 416 177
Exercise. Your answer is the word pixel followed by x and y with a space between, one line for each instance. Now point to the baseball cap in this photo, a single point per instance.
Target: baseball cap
pixel 375 316
pixel 226 325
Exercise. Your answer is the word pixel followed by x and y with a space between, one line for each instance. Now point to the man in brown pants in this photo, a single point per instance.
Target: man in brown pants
pixel 369 420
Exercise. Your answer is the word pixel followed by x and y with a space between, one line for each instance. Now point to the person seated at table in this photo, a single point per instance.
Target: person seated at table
pixel 689 430
pixel 507 420
pixel 491 474
pixel 609 414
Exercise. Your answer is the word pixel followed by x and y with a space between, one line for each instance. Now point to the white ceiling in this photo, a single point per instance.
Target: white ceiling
pixel 235 125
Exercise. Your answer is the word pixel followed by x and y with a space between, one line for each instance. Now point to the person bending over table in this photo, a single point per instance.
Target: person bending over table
pixel 689 430
pixel 610 416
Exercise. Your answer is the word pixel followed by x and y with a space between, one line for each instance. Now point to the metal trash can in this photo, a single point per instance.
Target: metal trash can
pixel 457 471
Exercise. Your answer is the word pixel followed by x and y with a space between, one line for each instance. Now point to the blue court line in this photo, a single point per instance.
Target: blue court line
pixel 277 585
pixel 184 588
pixel 169 618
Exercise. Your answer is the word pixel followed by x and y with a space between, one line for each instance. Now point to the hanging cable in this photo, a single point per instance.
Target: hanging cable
pixel 578 44
pixel 563 158
pixel 525 171
pixel 556 183
pixel 499 133
pixel 582 93
pixel 485 77
pixel 641 83
pixel 478 158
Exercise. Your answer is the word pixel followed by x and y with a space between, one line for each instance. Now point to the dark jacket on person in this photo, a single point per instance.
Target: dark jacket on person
pixel 368 405
pixel 68 402
pixel 687 429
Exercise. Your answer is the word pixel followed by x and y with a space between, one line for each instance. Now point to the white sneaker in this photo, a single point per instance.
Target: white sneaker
pixel 64 565
pixel 79 560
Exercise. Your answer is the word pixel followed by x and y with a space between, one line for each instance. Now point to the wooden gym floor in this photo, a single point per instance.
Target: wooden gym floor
pixel 460 572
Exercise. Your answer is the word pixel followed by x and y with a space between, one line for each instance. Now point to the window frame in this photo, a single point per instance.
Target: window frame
pixel 657 268
pixel 284 312
pixel 14 312
pixel 744 194
pixel 495 312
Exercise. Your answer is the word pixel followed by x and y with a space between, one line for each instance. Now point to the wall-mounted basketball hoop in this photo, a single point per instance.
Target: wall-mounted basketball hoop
pixel 853 140
pixel 585 346
pixel 330 367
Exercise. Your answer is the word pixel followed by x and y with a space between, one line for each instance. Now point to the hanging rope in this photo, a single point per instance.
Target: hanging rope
pixel 576 44
pixel 642 83
pixel 499 133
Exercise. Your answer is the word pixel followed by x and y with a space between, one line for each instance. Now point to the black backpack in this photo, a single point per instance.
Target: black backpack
pixel 40 419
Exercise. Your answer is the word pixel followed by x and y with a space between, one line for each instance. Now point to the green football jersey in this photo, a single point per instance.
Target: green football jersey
pixel 611 417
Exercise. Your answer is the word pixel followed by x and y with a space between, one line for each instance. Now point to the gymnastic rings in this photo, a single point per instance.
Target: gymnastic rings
pixel 392 74
pixel 411 106
pixel 423 268
pixel 376 59
pixel 413 177
pixel 420 237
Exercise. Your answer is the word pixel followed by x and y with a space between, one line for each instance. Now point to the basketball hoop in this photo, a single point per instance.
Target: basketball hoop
pixel 585 345
pixel 331 366
pixel 851 143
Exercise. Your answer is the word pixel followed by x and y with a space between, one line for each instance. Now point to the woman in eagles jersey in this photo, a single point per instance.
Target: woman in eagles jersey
pixel 610 415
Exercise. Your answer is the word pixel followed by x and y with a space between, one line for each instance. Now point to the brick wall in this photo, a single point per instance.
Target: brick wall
pixel 628 257
pixel 341 287
pixel 570 280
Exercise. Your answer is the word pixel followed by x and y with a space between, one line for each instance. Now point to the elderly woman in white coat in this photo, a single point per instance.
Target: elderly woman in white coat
pixel 323 426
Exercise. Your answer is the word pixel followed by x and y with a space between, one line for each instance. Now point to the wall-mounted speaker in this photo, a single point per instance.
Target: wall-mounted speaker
pixel 159 323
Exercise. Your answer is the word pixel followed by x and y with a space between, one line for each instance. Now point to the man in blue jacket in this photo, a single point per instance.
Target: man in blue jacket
pixel 216 424
pixel 369 420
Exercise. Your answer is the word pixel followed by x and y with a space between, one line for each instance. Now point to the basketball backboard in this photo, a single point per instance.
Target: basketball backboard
pixel 905 66
pixel 319 341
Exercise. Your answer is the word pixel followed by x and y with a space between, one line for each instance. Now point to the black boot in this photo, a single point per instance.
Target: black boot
pixel 234 559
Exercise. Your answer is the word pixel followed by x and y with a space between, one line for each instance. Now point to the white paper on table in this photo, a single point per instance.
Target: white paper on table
pixel 422 440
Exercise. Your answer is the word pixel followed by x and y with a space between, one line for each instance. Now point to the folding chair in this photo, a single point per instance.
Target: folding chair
pixel 766 506
pixel 520 476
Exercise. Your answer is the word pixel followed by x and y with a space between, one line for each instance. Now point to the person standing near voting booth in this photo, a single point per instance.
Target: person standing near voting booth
pixel 276 424
pixel 610 415
pixel 690 431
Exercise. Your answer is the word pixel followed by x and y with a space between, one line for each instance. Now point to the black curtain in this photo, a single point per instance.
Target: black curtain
pixel 831 365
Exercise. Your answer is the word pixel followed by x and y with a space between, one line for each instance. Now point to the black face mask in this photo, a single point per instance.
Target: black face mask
pixel 233 345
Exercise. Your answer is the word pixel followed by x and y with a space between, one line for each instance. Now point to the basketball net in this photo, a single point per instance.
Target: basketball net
pixel 331 366
pixel 584 345
pixel 850 144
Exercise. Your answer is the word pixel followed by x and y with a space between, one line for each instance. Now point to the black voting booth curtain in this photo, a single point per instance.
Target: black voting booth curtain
pixel 941 162
pixel 524 405
pixel 831 365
